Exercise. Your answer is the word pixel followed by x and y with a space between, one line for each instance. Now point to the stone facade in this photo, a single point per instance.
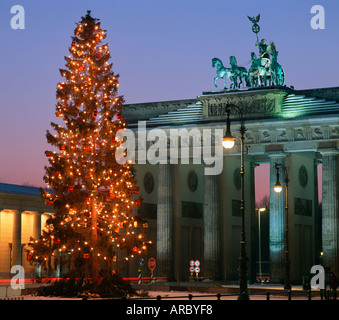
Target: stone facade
pixel 282 126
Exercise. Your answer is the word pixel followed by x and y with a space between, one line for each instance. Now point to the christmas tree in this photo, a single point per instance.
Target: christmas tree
pixel 95 198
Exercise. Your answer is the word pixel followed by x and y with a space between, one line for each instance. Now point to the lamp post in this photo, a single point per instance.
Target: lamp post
pixel 228 143
pixel 259 211
pixel 278 189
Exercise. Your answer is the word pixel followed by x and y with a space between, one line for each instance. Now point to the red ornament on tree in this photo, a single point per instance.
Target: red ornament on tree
pixel 86 147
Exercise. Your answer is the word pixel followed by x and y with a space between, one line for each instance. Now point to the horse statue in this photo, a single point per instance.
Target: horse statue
pixel 277 72
pixel 222 72
pixel 239 72
pixel 257 73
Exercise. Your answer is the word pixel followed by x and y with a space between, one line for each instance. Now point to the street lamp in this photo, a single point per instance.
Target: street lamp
pixel 278 188
pixel 259 211
pixel 228 142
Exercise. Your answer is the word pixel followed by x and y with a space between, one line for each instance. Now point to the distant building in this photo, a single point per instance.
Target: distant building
pixel 22 214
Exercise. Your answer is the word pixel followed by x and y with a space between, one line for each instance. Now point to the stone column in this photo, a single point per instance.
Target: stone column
pixel 317 218
pixel 330 210
pixel 212 227
pixel 165 222
pixel 251 222
pixel 36 225
pixel 36 234
pixel 277 221
pixel 177 228
pixel 16 239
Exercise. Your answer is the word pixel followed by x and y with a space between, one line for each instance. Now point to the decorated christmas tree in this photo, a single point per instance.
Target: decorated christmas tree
pixel 94 197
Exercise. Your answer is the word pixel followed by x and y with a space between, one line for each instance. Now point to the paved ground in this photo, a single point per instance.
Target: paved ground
pixel 226 292
pixel 203 291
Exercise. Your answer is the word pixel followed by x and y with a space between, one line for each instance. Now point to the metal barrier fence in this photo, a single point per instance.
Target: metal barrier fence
pixel 323 294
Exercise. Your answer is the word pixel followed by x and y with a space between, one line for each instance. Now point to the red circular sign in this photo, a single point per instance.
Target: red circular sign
pixel 151 263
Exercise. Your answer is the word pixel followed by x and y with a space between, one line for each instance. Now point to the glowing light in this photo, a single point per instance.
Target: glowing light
pixel 277 188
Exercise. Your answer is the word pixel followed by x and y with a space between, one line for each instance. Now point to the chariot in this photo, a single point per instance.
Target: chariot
pixel 264 70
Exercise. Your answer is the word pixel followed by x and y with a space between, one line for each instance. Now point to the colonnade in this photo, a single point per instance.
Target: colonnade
pixel 302 225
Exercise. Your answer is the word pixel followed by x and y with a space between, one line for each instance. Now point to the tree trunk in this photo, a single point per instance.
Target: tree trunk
pixel 94 238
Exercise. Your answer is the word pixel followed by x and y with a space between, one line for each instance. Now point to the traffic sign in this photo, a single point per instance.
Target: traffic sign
pixel 152 263
pixel 141 262
pixel 192 263
pixel 197 269
pixel 197 263
pixel 191 269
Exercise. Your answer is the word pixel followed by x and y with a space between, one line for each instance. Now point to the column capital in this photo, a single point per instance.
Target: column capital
pixel 17 211
pixel 276 154
pixel 36 213
pixel 328 151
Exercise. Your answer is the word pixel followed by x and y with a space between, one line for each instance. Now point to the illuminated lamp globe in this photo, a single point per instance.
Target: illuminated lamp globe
pixel 228 140
pixel 277 187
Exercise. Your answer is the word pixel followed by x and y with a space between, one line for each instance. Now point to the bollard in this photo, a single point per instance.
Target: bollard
pixel 267 295
pixel 158 298
pixel 289 294
pixel 151 279
pixel 139 278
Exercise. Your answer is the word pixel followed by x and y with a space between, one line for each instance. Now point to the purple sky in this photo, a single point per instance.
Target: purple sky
pixel 161 49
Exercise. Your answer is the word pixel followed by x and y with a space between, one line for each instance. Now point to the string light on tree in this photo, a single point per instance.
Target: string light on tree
pixel 94 197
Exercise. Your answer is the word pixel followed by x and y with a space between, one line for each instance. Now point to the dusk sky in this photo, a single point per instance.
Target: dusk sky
pixel 161 49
